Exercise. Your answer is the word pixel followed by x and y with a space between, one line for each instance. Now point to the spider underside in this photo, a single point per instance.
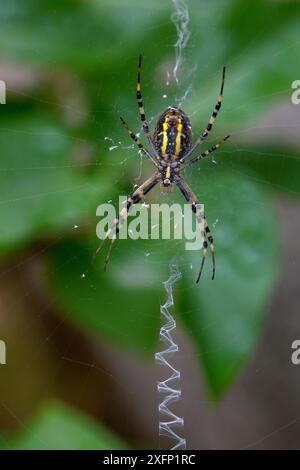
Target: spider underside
pixel 170 149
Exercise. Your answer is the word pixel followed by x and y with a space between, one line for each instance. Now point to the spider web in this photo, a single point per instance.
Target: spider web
pixel 91 368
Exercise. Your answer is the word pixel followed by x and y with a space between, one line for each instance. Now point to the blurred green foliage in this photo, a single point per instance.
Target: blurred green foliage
pixel 58 427
pixel 224 317
pixel 89 49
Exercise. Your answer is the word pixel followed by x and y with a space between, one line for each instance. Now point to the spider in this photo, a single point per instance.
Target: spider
pixel 170 150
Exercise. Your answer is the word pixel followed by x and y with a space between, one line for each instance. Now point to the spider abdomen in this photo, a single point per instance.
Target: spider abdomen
pixel 173 134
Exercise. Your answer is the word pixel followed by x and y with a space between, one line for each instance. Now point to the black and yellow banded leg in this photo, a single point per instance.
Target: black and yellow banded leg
pixel 199 212
pixel 212 248
pixel 138 142
pixel 211 122
pixel 142 111
pixel 135 198
pixel 207 152
pixel 215 112
pixel 203 226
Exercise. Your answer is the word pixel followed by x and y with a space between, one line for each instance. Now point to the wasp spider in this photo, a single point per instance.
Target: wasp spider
pixel 170 151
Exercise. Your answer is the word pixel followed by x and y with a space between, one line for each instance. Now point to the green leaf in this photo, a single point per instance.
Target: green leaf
pixel 277 169
pixel 76 34
pixel 267 21
pixel 121 304
pixel 225 316
pixel 59 427
pixel 258 43
pixel 41 191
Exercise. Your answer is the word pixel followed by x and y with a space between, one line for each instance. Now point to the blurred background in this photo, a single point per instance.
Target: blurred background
pixel 80 343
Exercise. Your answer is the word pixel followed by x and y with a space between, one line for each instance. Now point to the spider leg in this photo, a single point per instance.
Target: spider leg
pixel 202 261
pixel 212 248
pixel 138 142
pixel 142 111
pixel 206 233
pixel 135 198
pixel 207 152
pixel 215 112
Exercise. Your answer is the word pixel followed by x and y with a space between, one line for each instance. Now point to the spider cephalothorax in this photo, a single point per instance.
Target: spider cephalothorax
pixel 170 149
pixel 168 171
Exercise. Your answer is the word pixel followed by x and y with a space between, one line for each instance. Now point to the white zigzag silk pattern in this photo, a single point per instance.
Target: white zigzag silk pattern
pixel 168 388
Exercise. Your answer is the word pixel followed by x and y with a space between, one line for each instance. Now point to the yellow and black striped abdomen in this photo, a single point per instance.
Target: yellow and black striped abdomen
pixel 173 134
